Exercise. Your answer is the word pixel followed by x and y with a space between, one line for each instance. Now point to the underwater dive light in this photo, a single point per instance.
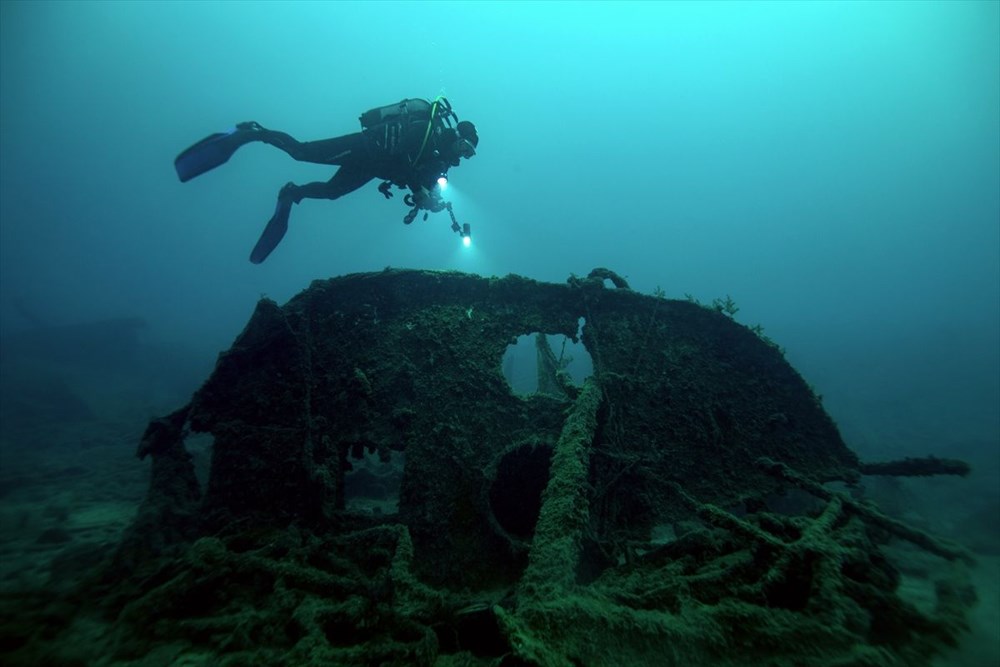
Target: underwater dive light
pixel 465 231
pixel 442 181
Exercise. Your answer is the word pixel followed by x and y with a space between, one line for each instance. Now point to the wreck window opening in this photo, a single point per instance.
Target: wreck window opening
pixel 372 485
pixel 526 362
pixel 200 446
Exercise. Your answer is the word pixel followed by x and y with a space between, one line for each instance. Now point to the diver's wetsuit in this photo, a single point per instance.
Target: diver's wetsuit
pixel 387 151
pixel 400 151
pixel 409 144
pixel 350 152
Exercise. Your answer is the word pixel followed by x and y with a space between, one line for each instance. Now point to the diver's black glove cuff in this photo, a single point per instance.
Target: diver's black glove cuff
pixel 384 189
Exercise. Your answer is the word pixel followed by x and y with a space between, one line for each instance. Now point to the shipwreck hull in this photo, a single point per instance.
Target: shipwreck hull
pixel 526 525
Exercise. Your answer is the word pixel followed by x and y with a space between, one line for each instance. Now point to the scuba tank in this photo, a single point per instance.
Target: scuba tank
pixel 413 107
pixel 416 107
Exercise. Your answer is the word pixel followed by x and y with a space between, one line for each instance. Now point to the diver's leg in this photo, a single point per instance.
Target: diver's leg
pixel 216 149
pixel 347 179
pixel 336 151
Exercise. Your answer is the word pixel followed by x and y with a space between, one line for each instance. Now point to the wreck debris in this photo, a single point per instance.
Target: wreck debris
pixel 914 467
pixel 553 379
pixel 927 542
pixel 625 521
pixel 562 522
pixel 168 517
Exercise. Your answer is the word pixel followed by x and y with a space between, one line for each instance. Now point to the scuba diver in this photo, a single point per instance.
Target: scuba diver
pixel 411 145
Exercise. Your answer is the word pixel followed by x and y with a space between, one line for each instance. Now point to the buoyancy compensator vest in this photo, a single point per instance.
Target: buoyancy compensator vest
pixel 387 124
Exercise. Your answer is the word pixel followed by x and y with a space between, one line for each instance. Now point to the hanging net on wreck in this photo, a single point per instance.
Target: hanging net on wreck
pixel 690 503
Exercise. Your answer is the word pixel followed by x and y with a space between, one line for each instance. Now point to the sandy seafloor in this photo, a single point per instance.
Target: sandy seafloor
pixel 70 487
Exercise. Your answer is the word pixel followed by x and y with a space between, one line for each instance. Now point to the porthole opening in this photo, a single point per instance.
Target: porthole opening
pixel 532 363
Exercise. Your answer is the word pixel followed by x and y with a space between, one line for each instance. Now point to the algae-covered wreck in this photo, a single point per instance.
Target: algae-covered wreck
pixel 646 517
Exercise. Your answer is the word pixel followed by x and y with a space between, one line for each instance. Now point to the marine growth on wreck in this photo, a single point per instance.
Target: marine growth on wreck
pixel 379 495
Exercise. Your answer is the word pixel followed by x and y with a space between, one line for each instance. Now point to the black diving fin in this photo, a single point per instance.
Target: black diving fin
pixel 273 232
pixel 213 150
